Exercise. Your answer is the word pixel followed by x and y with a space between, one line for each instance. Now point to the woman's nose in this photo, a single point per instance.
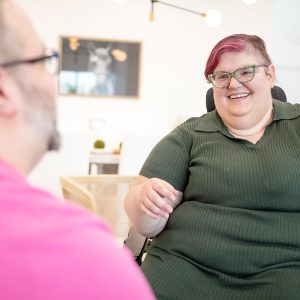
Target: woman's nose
pixel 233 82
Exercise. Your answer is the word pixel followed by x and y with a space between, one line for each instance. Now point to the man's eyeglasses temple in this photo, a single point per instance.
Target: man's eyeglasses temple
pixel 54 54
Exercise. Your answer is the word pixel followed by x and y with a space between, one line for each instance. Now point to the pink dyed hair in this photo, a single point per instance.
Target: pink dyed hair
pixel 236 43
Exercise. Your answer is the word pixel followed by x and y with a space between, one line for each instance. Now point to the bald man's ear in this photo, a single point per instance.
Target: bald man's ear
pixel 8 101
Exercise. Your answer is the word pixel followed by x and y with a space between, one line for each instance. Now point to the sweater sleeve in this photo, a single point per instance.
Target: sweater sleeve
pixel 169 160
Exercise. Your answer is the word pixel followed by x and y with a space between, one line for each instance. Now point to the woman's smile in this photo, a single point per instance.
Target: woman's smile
pixel 239 96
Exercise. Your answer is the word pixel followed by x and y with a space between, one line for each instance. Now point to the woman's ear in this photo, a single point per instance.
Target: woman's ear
pixel 271 74
pixel 8 103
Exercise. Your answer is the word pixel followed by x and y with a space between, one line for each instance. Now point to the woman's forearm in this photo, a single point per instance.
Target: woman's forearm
pixel 145 225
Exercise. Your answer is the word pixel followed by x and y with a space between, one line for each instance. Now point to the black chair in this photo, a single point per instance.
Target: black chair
pixel 136 243
pixel 277 93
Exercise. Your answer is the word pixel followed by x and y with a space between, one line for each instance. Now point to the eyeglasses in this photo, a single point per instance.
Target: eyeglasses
pixel 242 75
pixel 50 57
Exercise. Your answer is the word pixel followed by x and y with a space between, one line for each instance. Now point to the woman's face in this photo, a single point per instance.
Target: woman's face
pixel 244 104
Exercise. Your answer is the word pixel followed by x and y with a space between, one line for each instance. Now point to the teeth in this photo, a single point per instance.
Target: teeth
pixel 238 96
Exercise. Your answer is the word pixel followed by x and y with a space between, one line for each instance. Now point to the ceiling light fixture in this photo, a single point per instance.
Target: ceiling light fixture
pixel 212 18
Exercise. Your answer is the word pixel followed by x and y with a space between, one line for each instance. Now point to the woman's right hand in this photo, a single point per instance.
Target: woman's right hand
pixel 157 198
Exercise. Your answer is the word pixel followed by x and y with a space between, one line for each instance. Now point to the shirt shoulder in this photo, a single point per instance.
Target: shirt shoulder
pixel 53 244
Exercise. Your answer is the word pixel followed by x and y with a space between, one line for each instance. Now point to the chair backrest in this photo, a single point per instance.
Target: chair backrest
pixel 103 195
pixel 277 93
pixel 73 191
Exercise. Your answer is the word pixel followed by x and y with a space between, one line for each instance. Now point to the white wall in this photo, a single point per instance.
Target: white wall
pixel 286 47
pixel 174 52
pixel 175 49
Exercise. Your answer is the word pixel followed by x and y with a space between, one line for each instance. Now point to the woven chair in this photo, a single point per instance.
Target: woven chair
pixel 103 195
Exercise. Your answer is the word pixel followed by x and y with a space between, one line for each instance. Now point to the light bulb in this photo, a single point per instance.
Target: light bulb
pixel 249 2
pixel 213 18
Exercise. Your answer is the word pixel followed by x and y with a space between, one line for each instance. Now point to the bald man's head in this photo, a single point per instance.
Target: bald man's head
pixel 27 90
pixel 12 45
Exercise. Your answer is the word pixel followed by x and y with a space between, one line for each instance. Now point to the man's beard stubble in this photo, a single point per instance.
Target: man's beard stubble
pixel 41 113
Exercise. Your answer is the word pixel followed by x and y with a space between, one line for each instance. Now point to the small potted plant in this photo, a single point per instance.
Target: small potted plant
pixel 99 144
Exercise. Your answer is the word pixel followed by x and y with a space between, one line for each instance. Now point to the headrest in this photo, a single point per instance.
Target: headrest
pixel 277 93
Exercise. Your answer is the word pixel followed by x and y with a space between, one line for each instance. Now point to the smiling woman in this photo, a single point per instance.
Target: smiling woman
pixel 243 94
pixel 212 192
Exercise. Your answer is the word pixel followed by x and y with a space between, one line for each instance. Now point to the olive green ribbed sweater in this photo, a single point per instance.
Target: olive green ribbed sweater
pixel 236 234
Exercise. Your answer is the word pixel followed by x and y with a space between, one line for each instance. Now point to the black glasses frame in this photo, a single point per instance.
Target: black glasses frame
pixel 52 54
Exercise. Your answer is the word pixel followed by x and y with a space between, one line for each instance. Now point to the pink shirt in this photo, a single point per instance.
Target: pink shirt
pixel 53 250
